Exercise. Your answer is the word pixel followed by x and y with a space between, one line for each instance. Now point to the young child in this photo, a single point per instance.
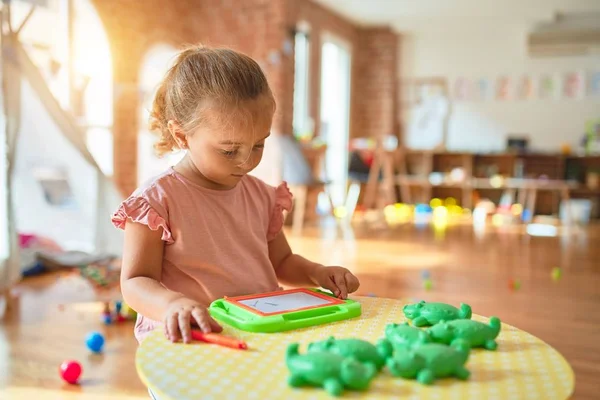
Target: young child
pixel 205 229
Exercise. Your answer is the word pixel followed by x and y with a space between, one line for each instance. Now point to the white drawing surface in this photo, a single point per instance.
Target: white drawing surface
pixel 284 302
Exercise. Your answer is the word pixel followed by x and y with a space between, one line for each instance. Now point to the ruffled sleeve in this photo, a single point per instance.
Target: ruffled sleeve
pixel 137 209
pixel 283 202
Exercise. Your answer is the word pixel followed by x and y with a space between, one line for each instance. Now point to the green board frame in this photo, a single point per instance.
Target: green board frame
pixel 234 311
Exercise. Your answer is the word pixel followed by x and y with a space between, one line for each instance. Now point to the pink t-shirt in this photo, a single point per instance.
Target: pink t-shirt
pixel 216 241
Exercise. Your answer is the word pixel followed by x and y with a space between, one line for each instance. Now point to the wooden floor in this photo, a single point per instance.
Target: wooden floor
pixel 57 311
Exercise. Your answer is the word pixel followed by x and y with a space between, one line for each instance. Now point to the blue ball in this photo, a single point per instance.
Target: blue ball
pixel 425 274
pixel 423 208
pixel 95 342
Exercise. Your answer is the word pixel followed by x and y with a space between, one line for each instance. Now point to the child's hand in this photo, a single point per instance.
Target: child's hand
pixel 181 314
pixel 337 279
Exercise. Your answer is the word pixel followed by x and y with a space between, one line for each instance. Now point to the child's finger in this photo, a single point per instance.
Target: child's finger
pixel 184 326
pixel 200 318
pixel 330 284
pixel 340 282
pixel 172 327
pixel 351 282
pixel 203 321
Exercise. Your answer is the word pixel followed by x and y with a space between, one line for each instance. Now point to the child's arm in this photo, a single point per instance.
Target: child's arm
pixel 294 270
pixel 142 290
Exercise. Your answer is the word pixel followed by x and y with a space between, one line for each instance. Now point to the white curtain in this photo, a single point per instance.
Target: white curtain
pixel 11 100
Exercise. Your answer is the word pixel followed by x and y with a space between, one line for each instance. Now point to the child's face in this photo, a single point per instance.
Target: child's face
pixel 227 147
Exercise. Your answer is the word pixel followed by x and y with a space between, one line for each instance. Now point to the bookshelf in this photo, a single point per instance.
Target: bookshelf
pixel 468 176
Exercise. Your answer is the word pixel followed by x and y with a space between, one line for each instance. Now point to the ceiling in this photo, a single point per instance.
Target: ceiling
pixel 408 15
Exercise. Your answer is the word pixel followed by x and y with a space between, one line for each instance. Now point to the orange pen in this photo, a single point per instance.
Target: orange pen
pixel 219 339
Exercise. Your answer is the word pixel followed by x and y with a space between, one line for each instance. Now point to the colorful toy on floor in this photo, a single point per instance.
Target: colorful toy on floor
pixel 514 284
pixel 121 313
pixel 363 351
pixel 70 371
pixel 103 275
pixel 431 361
pixel 556 274
pixel 328 370
pixel 427 284
pixel 475 333
pixel 424 314
pixel 405 336
pixel 95 342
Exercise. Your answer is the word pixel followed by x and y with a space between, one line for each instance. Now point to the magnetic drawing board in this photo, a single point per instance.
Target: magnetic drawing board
pixel 285 302
pixel 283 310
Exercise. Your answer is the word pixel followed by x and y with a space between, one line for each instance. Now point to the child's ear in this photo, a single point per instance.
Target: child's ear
pixel 177 134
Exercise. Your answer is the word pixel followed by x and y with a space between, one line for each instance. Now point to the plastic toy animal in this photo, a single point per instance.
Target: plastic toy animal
pixel 475 333
pixel 361 350
pixel 431 361
pixel 405 336
pixel 424 314
pixel 328 370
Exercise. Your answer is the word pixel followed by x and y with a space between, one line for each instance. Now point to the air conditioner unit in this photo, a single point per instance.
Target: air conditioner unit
pixel 567 35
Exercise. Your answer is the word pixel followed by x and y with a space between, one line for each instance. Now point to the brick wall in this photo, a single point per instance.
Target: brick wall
pixel 259 28
pixel 375 111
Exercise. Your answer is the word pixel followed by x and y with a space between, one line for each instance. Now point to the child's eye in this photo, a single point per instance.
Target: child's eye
pixel 259 147
pixel 229 153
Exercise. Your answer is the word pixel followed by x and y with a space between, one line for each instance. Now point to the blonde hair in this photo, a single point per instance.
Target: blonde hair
pixel 202 77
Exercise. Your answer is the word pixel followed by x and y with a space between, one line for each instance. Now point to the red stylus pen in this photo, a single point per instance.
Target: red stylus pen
pixel 219 339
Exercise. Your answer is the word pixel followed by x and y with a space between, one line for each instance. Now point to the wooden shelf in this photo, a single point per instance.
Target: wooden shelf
pixel 586 190
pixel 548 174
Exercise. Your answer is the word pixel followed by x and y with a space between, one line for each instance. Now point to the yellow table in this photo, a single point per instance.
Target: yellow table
pixel 522 366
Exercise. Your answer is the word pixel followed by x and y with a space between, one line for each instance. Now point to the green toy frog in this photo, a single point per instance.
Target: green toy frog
pixel 477 334
pixel 425 314
pixel 428 362
pixel 405 336
pixel 361 350
pixel 328 370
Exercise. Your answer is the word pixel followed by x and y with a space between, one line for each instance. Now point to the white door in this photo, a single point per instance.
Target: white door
pixel 335 113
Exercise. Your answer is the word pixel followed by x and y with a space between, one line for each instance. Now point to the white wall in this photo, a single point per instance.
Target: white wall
pixel 488 50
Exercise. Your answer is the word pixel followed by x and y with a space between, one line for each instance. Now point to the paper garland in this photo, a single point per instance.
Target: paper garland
pixel 574 85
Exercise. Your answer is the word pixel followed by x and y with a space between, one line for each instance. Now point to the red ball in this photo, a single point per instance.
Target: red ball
pixel 70 371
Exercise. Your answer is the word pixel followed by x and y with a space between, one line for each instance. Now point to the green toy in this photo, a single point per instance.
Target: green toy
pixel 328 370
pixel 405 336
pixel 556 274
pixel 431 361
pixel 283 310
pixel 361 350
pixel 475 333
pixel 424 314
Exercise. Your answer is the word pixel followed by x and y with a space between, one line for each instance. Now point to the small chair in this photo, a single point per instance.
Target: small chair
pixel 300 177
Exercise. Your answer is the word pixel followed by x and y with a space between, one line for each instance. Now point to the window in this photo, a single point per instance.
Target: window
pixel 335 113
pixel 155 64
pixel 303 125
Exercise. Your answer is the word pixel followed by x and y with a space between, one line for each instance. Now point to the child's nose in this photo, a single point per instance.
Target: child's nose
pixel 248 162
